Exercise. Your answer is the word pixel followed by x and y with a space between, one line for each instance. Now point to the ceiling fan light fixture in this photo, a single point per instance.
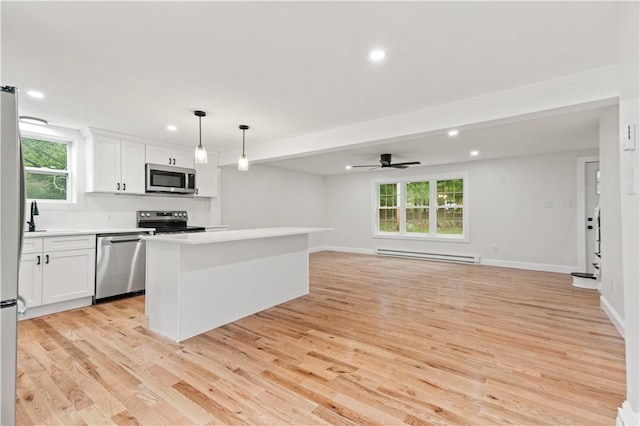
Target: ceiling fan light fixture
pixel 201 151
pixel 243 161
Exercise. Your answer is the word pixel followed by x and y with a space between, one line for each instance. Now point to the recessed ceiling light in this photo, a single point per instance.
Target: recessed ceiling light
pixel 474 153
pixel 33 120
pixel 347 167
pixel 35 94
pixel 377 55
pixel 172 127
pixel 453 133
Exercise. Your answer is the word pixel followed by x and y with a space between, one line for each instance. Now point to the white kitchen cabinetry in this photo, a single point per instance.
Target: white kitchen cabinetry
pixel 170 156
pixel 207 177
pixel 115 165
pixel 55 271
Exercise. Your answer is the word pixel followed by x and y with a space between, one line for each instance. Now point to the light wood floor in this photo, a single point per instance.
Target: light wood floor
pixel 377 341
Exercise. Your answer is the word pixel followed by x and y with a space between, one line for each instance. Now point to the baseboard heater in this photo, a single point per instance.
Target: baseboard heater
pixel 429 256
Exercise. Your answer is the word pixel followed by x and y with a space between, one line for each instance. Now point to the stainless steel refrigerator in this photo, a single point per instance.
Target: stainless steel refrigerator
pixel 12 205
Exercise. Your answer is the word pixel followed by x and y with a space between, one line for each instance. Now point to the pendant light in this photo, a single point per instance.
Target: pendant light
pixel 201 152
pixel 243 161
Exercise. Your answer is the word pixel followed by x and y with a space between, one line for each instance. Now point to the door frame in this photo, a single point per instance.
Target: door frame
pixel 581 205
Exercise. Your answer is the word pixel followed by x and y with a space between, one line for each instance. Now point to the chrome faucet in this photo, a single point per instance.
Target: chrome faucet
pixel 34 212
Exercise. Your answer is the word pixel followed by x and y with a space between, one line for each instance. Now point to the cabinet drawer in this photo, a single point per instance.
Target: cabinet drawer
pixel 71 242
pixel 32 245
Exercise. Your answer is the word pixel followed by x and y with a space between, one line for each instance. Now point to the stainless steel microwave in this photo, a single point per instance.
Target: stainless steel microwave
pixel 170 179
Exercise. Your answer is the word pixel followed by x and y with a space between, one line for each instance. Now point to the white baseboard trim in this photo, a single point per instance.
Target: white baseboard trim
pixel 563 269
pixel 489 262
pixel 344 249
pixel 613 315
pixel 626 416
pixel 53 308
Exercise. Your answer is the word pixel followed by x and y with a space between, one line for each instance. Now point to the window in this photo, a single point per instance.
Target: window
pixel 423 208
pixel 47 169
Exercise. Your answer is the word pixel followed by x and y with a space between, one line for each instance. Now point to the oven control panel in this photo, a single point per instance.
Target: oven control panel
pixel 155 216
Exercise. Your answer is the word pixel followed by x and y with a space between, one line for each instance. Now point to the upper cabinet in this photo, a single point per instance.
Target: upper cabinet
pixel 170 156
pixel 207 177
pixel 115 165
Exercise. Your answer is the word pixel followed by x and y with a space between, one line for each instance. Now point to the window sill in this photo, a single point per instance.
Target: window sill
pixel 414 237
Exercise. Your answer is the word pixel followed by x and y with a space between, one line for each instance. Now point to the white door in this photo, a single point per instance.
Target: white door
pixel 68 275
pixel 133 159
pixel 159 155
pixel 184 157
pixel 592 198
pixel 207 177
pixel 106 165
pixel 30 279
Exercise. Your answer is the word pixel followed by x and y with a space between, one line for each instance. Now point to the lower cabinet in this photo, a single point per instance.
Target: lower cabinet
pixel 57 269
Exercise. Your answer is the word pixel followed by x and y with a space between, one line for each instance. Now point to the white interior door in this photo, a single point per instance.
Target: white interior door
pixel 592 199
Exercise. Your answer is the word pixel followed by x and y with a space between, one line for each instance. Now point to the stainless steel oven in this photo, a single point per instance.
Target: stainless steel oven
pixel 170 179
pixel 165 222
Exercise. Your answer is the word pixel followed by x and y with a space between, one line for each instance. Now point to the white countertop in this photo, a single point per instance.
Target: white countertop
pixel 236 235
pixel 67 232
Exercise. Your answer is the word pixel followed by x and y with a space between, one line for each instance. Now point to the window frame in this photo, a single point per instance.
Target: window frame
pixel 69 173
pixel 433 208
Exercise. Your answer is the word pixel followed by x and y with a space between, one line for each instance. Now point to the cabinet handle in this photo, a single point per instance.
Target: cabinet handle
pixel 169 160
pixel 46 259
pixel 124 186
pixel 38 262
pixel 118 186
pixel 174 161
pixel 196 191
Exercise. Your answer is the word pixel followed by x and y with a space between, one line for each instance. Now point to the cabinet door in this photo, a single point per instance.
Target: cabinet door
pixel 159 155
pixel 68 275
pixel 184 157
pixel 105 174
pixel 30 279
pixel 207 177
pixel 133 173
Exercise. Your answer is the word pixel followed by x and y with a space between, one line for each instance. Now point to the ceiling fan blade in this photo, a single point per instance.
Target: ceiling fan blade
pixel 370 165
pixel 399 166
pixel 409 163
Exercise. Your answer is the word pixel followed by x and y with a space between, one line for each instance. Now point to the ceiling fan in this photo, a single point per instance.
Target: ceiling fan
pixel 385 162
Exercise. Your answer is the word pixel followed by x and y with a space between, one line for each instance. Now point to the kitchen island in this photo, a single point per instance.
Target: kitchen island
pixel 196 282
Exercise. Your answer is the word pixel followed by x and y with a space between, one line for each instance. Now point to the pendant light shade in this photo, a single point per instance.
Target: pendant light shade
pixel 243 161
pixel 201 152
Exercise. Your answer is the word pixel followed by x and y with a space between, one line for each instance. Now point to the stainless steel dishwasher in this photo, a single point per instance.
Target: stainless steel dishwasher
pixel 120 264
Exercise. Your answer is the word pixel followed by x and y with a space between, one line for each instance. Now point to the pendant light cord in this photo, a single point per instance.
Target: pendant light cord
pixel 243 141
pixel 200 129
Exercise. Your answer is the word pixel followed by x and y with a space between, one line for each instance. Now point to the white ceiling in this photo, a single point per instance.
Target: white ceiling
pixel 293 68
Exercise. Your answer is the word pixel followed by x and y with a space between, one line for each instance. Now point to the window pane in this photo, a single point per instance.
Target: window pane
pixel 388 220
pixel 450 221
pixel 450 192
pixel 46 187
pixel 388 195
pixel 417 194
pixel 418 220
pixel 44 154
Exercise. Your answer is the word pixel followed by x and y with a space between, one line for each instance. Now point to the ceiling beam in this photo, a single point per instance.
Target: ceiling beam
pixel 593 88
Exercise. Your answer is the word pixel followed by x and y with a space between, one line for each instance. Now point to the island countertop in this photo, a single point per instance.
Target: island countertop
pixel 234 235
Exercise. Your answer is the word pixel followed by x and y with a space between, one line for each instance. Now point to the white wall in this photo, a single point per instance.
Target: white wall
pixel 630 208
pixel 267 196
pixel 522 211
pixel 612 291
pixel 94 210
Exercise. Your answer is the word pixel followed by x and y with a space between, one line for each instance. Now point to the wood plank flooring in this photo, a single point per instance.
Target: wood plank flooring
pixel 377 341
